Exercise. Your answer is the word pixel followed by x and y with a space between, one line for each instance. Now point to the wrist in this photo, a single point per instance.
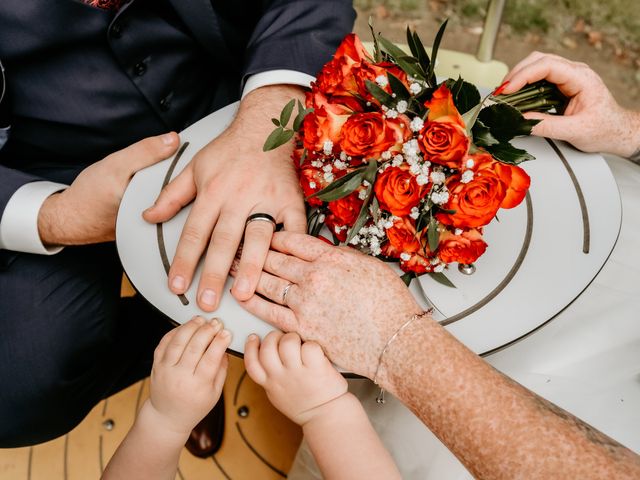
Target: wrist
pixel 330 412
pixel 152 420
pixel 49 221
pixel 627 143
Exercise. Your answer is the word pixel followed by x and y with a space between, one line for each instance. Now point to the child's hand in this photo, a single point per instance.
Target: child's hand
pixel 298 377
pixel 189 370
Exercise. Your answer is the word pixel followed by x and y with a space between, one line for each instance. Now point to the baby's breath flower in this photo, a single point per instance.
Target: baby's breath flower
pixel 391 113
pixel 467 176
pixel 327 147
pixel 402 106
pixel 404 256
pixel 416 124
pixel 382 81
pixel 437 177
pixel 415 88
pixel 422 179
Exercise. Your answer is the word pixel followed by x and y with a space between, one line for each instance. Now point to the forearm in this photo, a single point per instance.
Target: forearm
pixel 259 106
pixel 345 445
pixel 497 428
pixel 149 451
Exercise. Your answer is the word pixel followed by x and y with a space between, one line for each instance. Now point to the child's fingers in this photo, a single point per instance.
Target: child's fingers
pixel 289 350
pixel 198 344
pixel 312 355
pixel 252 360
pixel 210 361
pixel 269 356
pixel 218 381
pixel 180 339
pixel 158 354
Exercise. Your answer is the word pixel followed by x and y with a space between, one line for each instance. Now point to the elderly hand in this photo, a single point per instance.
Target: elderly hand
pixel 347 302
pixel 593 121
pixel 86 212
pixel 231 179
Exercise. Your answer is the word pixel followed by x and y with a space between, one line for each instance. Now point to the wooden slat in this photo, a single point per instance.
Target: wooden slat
pixel 14 463
pixel 47 461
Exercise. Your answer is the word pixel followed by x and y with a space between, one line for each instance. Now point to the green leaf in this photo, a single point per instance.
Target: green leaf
pixel 394 51
pixel 507 153
pixel 471 116
pixel 465 95
pixel 276 122
pixel 398 87
pixel 377 56
pixel 442 279
pixel 482 135
pixel 448 212
pixel 278 137
pixel 505 121
pixel 379 94
pixel 421 54
pixel 371 171
pixel 407 277
pixel 363 216
pixel 302 112
pixel 431 78
pixel 304 155
pixel 433 236
pixel 411 66
pixel 285 115
pixel 375 210
pixel 341 187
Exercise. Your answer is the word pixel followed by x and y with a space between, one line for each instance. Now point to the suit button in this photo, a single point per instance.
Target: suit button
pixel 140 69
pixel 165 103
pixel 116 30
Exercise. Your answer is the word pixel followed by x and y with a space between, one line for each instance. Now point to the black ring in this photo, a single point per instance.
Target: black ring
pixel 264 217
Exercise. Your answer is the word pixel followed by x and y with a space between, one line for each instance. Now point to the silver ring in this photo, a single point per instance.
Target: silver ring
pixel 261 217
pixel 285 292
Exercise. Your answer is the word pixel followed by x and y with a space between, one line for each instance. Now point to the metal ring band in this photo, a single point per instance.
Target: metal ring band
pixel 285 292
pixel 261 217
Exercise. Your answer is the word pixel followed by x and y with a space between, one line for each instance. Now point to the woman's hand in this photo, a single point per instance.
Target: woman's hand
pixel 347 302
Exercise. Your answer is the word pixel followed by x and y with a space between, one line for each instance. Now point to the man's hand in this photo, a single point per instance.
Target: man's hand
pixel 232 178
pixel 593 121
pixel 86 212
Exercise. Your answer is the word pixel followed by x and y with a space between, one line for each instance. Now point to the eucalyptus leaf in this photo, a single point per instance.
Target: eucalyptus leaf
pixel 505 121
pixel 431 77
pixel 433 236
pixel 363 216
pixel 379 94
pixel 407 277
pixel 277 138
pixel 398 87
pixel 285 115
pixel 507 153
pixel 442 279
pixel 341 187
pixel 302 113
pixel 371 171
pixel 275 121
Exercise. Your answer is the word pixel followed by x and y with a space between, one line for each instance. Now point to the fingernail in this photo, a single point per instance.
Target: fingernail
pixel 167 139
pixel 224 334
pixel 252 338
pixel 242 285
pixel 208 297
pixel 178 283
pixel 501 88
pixel 199 320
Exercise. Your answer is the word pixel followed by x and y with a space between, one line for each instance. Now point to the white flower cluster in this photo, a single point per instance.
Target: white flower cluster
pixel 416 124
pixel 370 237
pixel 382 81
pixel 439 195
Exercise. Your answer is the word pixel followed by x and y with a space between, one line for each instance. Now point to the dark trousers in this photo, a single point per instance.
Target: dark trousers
pixel 67 339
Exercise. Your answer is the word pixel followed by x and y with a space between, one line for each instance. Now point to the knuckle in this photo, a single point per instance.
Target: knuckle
pixel 191 235
pixel 213 278
pixel 223 237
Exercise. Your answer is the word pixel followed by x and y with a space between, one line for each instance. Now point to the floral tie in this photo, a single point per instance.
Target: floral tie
pixel 106 4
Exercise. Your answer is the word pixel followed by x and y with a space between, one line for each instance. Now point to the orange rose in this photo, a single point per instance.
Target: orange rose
pixel 336 76
pixel 347 209
pixel 464 248
pixel 324 123
pixel 397 190
pixel 367 135
pixel 402 237
pixel 494 185
pixel 352 48
pixel 444 138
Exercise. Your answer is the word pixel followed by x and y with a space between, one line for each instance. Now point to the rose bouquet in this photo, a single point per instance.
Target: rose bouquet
pixel 403 167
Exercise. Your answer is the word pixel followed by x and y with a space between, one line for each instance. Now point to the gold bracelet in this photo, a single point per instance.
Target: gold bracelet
pixel 380 397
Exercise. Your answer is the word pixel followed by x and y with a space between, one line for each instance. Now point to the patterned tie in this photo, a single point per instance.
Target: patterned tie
pixel 106 4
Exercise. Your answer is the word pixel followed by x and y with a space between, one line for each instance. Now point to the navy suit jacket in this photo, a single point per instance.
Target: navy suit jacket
pixel 84 82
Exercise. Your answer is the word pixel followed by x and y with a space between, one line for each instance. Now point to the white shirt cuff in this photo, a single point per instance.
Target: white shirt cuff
pixel 277 77
pixel 19 223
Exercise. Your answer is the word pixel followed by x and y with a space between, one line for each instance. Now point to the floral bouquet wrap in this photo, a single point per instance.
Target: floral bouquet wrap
pixel 402 167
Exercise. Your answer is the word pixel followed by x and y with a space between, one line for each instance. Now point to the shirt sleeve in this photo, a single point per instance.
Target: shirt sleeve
pixel 19 222
pixel 276 77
